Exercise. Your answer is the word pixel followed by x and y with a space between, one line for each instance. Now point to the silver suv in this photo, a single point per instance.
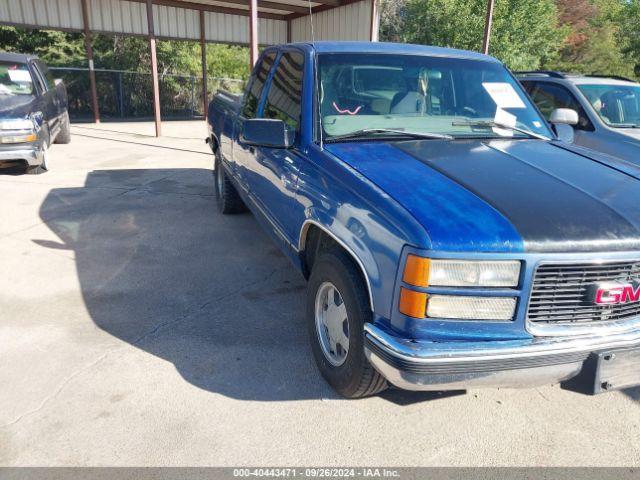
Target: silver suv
pixel 608 108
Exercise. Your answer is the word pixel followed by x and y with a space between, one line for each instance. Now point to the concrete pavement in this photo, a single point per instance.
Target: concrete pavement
pixel 140 327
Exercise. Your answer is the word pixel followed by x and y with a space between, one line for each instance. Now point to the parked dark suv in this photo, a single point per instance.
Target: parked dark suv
pixel 33 112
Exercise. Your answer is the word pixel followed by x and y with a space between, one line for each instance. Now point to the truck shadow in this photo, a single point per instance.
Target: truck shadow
pixel 161 269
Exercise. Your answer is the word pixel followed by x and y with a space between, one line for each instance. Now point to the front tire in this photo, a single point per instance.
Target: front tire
pixel 227 196
pixel 64 136
pixel 336 289
pixel 44 166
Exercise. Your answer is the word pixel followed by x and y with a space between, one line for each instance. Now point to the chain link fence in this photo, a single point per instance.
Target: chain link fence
pixel 128 95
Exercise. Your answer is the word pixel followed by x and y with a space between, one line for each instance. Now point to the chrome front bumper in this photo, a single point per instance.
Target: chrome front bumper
pixel 424 365
pixel 32 155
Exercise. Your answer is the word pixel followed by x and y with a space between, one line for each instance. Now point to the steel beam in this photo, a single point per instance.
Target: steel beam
pixel 321 8
pixel 89 49
pixel 203 52
pixel 373 30
pixel 253 32
pixel 487 27
pixel 213 8
pixel 154 68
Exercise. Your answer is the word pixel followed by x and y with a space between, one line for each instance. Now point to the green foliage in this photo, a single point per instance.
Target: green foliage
pixel 525 35
pixel 228 61
pixel 55 48
pixel 127 53
pixel 629 21
pixel 594 43
pixel 588 36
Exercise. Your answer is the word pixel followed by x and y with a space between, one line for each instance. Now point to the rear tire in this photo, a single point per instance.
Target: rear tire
pixel 227 197
pixel 351 375
pixel 64 135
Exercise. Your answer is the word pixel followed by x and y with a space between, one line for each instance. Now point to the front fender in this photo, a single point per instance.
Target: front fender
pixel 369 225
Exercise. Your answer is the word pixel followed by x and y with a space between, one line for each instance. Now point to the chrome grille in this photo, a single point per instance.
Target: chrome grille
pixel 560 292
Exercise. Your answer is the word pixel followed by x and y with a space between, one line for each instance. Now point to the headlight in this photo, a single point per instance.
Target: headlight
pixel 30 137
pixel 423 272
pixel 471 308
pixel 18 130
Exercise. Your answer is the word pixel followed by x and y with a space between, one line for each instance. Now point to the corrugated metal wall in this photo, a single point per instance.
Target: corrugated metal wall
pixel 221 27
pixel 118 16
pixel 176 22
pixel 349 22
pixel 121 16
pixel 50 13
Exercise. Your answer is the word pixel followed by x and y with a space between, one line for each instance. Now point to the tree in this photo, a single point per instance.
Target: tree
pixel 392 14
pixel 55 48
pixel 595 40
pixel 525 35
pixel 629 21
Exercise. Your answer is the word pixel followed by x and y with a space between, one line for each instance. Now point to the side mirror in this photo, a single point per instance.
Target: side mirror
pixel 267 132
pixel 565 116
pixel 57 81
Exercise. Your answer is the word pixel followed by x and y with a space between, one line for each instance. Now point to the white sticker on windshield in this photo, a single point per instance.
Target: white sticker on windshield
pixel 504 95
pixel 504 118
pixel 19 75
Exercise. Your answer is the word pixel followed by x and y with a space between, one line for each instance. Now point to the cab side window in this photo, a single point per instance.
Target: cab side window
pixel 254 89
pixel 285 94
pixel 548 97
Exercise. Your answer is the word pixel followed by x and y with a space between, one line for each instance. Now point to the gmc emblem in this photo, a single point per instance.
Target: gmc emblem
pixel 617 293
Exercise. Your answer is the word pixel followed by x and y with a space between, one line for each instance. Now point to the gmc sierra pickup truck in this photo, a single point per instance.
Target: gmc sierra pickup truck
pixel 451 237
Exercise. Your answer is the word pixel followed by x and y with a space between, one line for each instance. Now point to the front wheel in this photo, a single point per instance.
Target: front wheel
pixel 44 166
pixel 337 309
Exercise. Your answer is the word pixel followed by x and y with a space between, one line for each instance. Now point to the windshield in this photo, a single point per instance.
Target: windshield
pixel 15 79
pixel 617 105
pixel 361 95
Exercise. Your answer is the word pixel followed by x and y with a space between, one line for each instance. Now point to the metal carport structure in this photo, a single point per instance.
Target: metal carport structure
pixel 241 22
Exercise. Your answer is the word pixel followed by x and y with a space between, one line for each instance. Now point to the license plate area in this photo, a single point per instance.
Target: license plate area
pixel 617 369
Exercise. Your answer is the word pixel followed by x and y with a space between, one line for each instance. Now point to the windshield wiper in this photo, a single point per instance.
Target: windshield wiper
pixel 367 131
pixel 493 124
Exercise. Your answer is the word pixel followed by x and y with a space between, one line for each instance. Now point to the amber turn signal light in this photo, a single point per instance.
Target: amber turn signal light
pixel 412 304
pixel 416 271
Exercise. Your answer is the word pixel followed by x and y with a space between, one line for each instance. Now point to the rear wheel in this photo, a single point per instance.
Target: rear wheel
pixel 227 196
pixel 64 136
pixel 337 309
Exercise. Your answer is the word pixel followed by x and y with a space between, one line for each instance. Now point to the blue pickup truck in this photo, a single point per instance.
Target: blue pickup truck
pixel 451 237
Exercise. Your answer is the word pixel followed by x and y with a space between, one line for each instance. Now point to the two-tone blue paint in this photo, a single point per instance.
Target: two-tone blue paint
pixel 468 199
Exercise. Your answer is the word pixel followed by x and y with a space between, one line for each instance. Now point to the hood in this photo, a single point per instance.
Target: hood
pixel 505 195
pixel 16 106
